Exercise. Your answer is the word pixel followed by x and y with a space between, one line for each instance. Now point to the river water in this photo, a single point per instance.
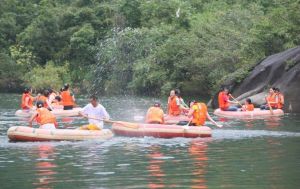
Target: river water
pixel 249 153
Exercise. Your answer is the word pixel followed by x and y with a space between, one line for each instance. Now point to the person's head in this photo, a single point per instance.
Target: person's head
pixel 26 90
pixel 172 93
pixel 58 98
pixel 61 89
pixel 248 101
pixel 192 102
pixel 50 90
pixel 66 86
pixel 226 90
pixel 156 104
pixel 177 92
pixel 39 104
pixel 277 90
pixel 272 90
pixel 46 93
pixel 94 100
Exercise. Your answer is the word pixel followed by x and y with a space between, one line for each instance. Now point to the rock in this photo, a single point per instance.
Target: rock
pixel 280 70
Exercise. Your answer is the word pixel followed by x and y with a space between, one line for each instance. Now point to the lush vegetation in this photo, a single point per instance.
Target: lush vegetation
pixel 140 46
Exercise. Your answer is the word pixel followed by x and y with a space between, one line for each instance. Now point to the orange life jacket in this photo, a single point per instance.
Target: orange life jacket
pixel 272 100
pixel 66 98
pixel 280 100
pixel 155 115
pixel 174 109
pixel 249 107
pixel 30 101
pixel 45 116
pixel 199 114
pixel 223 104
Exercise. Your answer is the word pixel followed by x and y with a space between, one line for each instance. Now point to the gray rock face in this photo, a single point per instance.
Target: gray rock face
pixel 280 70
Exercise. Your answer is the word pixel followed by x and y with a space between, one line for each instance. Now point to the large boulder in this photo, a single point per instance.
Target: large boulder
pixel 280 70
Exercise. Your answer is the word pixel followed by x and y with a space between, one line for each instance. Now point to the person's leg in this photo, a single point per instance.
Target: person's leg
pixel 232 108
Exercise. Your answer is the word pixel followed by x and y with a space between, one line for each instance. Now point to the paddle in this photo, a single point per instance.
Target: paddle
pixel 270 107
pixel 187 125
pixel 125 124
pixel 235 100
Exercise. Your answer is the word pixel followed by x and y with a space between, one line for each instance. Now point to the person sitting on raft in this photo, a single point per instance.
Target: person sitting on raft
pixel 271 100
pixel 198 114
pixel 175 105
pixel 27 99
pixel 224 102
pixel 280 98
pixel 68 99
pixel 183 107
pixel 248 106
pixel 155 114
pixel 95 113
pixel 45 99
pixel 43 116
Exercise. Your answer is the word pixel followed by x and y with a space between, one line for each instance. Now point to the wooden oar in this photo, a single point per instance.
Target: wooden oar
pixel 125 124
pixel 235 100
pixel 270 107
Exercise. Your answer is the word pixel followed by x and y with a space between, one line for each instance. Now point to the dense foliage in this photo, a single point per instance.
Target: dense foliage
pixel 140 46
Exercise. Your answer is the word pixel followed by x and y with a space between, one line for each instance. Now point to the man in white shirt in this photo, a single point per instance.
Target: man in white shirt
pixel 95 113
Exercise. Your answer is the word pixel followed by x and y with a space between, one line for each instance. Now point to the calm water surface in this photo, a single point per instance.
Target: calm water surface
pixel 261 153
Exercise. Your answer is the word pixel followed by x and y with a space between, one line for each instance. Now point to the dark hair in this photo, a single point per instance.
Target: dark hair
pixel 61 89
pixel 26 90
pixel 177 92
pixel 50 91
pixel 46 93
pixel 277 89
pixel 93 97
pixel 249 101
pixel 157 104
pixel 39 104
pixel 58 98
pixel 66 86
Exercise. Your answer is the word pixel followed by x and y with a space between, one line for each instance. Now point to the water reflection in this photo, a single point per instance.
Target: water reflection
pixel 198 153
pixel 156 173
pixel 45 167
pixel 272 122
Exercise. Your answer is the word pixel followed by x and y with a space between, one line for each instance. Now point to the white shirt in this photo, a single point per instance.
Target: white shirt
pixel 98 112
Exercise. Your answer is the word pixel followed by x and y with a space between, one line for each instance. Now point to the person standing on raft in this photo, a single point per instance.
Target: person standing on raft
pixel 43 117
pixel 198 114
pixel 224 102
pixel 67 98
pixel 155 114
pixel 95 113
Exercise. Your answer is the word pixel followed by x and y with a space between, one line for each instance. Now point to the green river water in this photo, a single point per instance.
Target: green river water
pixel 249 153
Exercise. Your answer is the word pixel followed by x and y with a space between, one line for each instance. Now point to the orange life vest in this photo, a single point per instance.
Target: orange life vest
pixel 174 109
pixel 66 98
pixel 280 100
pixel 249 107
pixel 199 114
pixel 154 115
pixel 223 104
pixel 272 99
pixel 45 116
pixel 30 101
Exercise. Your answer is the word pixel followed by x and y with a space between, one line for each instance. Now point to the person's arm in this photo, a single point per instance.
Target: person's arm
pixel 213 121
pixel 32 118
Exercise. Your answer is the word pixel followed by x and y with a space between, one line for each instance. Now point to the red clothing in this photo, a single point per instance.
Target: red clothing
pixel 223 99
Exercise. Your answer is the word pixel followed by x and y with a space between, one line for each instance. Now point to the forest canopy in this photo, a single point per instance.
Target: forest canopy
pixel 144 47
